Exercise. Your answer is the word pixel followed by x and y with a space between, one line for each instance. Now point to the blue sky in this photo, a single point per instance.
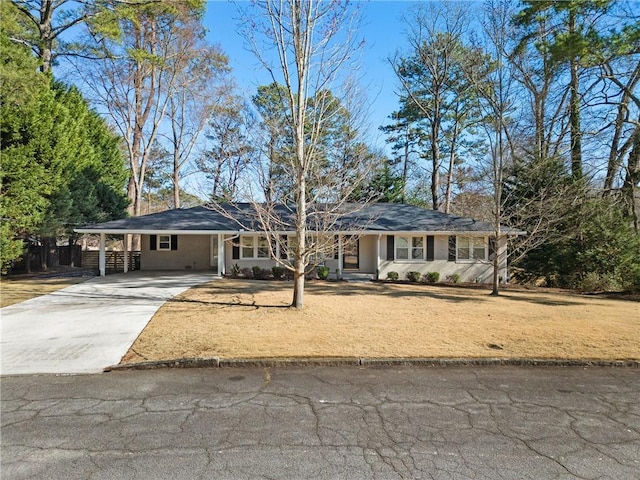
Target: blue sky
pixel 382 31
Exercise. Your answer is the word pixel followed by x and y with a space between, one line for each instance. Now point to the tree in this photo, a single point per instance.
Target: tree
pixel 527 190
pixel 405 139
pixel 48 21
pixel 437 95
pixel 23 182
pixel 496 100
pixel 229 150
pixel 196 97
pixel 61 165
pixel 568 26
pixel 313 41
pixel 276 137
pixel 138 75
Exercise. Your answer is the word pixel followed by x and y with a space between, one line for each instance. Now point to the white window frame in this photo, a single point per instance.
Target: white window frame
pixel 257 243
pixel 411 248
pixel 167 242
pixel 247 242
pixel 475 243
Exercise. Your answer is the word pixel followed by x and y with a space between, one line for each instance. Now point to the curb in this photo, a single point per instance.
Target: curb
pixel 369 362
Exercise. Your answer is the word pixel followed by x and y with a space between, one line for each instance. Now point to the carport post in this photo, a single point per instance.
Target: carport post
pixel 378 255
pixel 339 256
pixel 221 271
pixel 102 263
pixel 125 241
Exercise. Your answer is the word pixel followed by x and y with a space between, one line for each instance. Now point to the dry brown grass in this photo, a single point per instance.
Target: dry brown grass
pixel 240 319
pixel 18 290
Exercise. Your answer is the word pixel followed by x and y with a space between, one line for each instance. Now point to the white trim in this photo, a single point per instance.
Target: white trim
pixel 255 246
pixel 472 247
pixel 163 249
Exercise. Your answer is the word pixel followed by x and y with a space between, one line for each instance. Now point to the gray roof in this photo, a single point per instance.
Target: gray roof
pixel 377 217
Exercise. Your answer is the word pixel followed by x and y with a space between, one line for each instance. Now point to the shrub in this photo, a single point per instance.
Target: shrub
pixel 634 281
pixel 262 273
pixel 277 271
pixel 393 276
pixel 235 270
pixel 256 271
pixel 453 278
pixel 414 277
pixel 431 277
pixel 592 282
pixel 246 272
pixel 323 272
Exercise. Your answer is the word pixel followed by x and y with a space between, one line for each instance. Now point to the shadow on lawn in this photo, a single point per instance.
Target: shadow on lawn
pixel 541 301
pixel 391 291
pixel 237 289
pixel 341 289
pixel 231 303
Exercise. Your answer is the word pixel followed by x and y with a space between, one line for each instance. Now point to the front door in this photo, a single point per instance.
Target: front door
pixel 351 254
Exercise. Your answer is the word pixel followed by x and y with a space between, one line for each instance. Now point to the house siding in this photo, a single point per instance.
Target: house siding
pixel 469 271
pixel 193 253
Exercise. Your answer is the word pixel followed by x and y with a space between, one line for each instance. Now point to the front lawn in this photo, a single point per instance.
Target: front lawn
pixel 250 319
pixel 18 289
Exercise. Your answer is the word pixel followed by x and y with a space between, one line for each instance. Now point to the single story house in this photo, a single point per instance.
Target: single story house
pixel 374 240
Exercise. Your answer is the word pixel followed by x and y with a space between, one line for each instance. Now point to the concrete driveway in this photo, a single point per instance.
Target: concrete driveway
pixel 85 327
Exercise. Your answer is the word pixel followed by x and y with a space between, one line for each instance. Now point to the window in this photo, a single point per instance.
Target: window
pixel 464 250
pixel 417 248
pixel 164 242
pixel 472 248
pixel 254 247
pixel 263 247
pixel 246 244
pixel 409 248
pixel 402 248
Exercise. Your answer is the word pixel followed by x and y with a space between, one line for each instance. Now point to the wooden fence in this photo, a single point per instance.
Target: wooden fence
pixel 114 260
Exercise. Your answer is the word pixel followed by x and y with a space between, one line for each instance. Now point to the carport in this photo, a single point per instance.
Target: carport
pixel 199 223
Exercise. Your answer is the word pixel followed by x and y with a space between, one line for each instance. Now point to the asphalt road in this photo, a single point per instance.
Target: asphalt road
pixel 325 423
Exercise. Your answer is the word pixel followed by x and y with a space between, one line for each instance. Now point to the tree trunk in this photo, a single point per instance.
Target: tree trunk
pixel 452 158
pixel 405 166
pixel 435 174
pixel 46 35
pixel 176 180
pixel 574 111
pixel 631 181
pixel 298 288
pixel 496 265
pixel 301 232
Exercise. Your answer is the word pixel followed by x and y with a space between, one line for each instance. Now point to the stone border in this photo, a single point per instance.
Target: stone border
pixel 373 362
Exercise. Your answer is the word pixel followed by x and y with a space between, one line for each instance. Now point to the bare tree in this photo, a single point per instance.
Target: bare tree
pixel 529 197
pixel 314 44
pixel 228 148
pixel 199 90
pixel 137 77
